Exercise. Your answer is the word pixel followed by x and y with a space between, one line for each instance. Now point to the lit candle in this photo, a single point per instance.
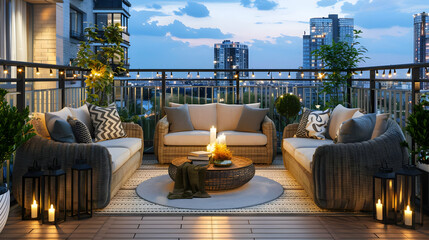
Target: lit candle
pixel 408 216
pixel 221 139
pixel 51 217
pixel 210 148
pixel 379 207
pixel 34 209
pixel 212 135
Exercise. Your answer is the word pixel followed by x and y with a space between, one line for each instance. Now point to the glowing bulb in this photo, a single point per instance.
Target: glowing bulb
pixel 138 74
pixel 288 75
pixel 198 75
pixel 61 72
pixel 171 75
pixel 280 74
pixel 253 74
pixel 390 73
pixel 409 72
pixel 302 74
pixel 361 73
pixel 50 72
pixel 189 74
pixel 268 74
pixel 376 73
pixel 394 72
pixel 4 69
pixel 128 74
pixel 37 71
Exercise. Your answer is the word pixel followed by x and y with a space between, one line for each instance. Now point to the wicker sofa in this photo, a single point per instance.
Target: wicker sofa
pixel 260 147
pixel 113 161
pixel 339 176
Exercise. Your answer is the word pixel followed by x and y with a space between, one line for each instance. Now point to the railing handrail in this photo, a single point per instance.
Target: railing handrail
pixel 39 65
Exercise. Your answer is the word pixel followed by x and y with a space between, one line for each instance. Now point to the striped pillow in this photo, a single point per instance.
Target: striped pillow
pixel 106 122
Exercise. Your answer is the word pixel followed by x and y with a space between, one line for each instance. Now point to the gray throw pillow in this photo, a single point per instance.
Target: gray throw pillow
pixel 179 118
pixel 251 119
pixel 357 129
pixel 59 129
pixel 80 130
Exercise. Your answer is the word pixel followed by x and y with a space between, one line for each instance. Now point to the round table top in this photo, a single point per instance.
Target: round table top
pixel 237 162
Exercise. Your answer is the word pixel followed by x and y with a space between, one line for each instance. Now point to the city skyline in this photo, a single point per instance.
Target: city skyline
pixel 181 34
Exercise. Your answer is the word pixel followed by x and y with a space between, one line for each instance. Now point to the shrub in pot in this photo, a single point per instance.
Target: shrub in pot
pixel 14 131
pixel 288 106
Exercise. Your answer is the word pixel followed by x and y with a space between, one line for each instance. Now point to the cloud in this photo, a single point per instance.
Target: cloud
pixel 179 30
pixel 263 5
pixel 326 3
pixel 193 9
pixel 154 6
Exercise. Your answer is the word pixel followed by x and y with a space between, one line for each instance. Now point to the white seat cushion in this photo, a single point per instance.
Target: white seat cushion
pixel 188 138
pixel 203 116
pixel 234 138
pixel 132 144
pixel 304 156
pixel 228 115
pixel 119 157
pixel 291 144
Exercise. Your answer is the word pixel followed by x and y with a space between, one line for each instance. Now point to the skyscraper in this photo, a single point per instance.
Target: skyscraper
pixel 324 31
pixel 421 42
pixel 230 55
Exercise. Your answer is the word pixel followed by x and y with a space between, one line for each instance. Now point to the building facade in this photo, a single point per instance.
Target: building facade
pixel 230 55
pixel 50 31
pixel 324 31
pixel 421 42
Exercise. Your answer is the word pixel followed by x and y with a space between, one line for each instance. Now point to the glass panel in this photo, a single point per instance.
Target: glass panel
pixel 117 18
pixel 102 20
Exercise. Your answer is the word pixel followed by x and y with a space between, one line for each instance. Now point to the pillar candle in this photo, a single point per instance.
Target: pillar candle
pixel 212 135
pixel 408 216
pixel 221 139
pixel 51 215
pixel 34 209
pixel 379 207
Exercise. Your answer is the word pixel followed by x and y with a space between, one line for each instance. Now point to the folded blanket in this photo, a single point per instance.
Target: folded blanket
pixel 189 182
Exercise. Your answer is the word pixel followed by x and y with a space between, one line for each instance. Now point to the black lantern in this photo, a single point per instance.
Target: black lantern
pixel 84 190
pixel 409 197
pixel 30 209
pixel 54 195
pixel 384 195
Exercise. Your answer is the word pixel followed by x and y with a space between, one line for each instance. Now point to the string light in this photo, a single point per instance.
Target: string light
pixel 19 69
pixel 390 73
pixel 376 73
pixel 427 72
pixel 4 69
pixel 288 75
pixel 409 72
pixel 198 74
pixel 171 75
pixel 321 75
pixel 302 74
pixel 50 72
pixel 253 74
pixel 157 74
pixel 384 73
pixel 74 74
pixel 189 75
pixel 215 74
pixel 37 71
pixel 138 74
pixel 394 72
pixel 280 74
pixel 361 73
pixel 128 74
pixel 268 74
pixel 61 73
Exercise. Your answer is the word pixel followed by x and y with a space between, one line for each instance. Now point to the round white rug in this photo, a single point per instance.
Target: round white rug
pixel 257 191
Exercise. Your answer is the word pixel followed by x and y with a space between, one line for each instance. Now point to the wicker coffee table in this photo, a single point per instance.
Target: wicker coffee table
pixel 239 173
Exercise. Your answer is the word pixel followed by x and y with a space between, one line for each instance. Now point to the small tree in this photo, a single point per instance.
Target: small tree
pixel 104 63
pixel 288 106
pixel 340 58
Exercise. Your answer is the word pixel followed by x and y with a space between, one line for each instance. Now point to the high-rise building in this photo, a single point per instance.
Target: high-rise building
pixel 230 55
pixel 324 31
pixel 421 42
pixel 50 31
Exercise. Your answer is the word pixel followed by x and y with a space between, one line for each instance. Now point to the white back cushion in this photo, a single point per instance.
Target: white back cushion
pixel 228 115
pixel 338 116
pixel 203 116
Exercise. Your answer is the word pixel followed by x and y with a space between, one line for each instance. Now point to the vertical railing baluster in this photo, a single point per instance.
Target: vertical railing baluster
pixel 20 87
pixel 163 91
pixel 372 95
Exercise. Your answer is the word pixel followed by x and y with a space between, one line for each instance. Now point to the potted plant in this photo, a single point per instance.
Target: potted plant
pixel 288 106
pixel 221 155
pixel 104 63
pixel 14 131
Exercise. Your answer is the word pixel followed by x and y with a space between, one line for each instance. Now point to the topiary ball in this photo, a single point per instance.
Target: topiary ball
pixel 288 105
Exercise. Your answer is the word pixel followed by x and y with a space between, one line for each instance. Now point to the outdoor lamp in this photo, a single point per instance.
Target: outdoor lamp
pixel 30 209
pixel 82 173
pixel 280 74
pixel 409 72
pixel 384 73
pixel 361 73
pixel 390 73
pixel 171 75
pixel 50 72
pixel 189 74
pixel 288 75
pixel 253 74
pixel 4 69
pixel 37 71
pixel 383 196
pixel 268 74
pixel 376 73
pixel 394 72
pixel 138 74
pixel 302 74
pixel 409 197
pixel 53 205
pixel 198 74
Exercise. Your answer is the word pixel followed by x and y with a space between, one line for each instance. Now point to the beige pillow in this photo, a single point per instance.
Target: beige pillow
pixel 380 125
pixel 228 115
pixel 82 114
pixel 39 125
pixel 203 116
pixel 338 116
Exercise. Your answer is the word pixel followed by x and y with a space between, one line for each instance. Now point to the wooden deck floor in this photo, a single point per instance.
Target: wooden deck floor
pixel 212 227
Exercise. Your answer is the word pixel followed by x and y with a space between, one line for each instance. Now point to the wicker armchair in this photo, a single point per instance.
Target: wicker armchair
pixel 105 182
pixel 258 154
pixel 341 174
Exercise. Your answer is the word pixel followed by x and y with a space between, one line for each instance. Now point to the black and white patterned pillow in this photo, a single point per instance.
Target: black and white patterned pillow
pixel 106 122
pixel 80 130
pixel 301 132
pixel 317 124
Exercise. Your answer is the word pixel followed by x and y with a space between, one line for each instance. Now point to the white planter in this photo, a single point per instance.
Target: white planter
pixel 4 208
pixel 423 167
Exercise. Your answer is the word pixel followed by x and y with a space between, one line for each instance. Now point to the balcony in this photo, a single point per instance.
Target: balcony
pixel 146 93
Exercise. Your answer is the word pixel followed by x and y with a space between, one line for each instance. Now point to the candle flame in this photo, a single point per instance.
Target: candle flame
pixel 379 201
pixel 34 202
pixel 408 207
pixel 52 206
